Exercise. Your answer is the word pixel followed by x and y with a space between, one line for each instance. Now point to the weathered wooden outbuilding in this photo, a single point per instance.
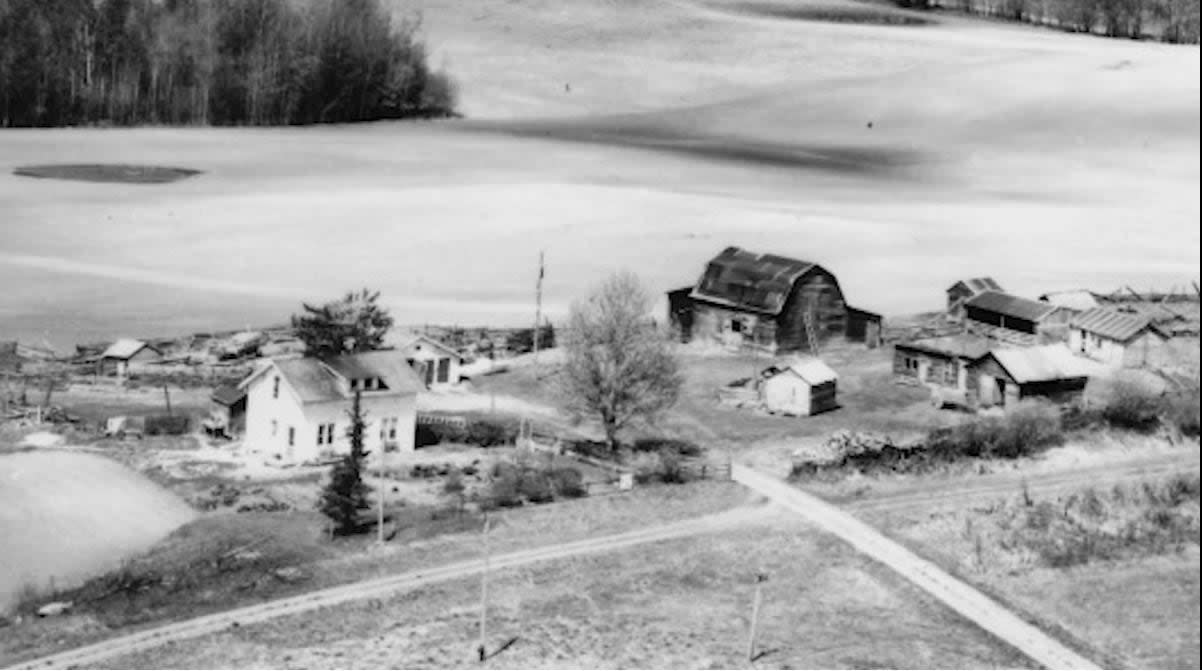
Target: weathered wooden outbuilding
pixel 1119 339
pixel 768 302
pixel 227 411
pixel 801 388
pixel 126 356
pixel 963 290
pixel 1003 377
pixel 941 361
pixel 1015 319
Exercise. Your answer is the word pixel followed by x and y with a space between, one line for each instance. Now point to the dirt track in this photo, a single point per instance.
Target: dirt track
pixel 957 595
pixel 90 655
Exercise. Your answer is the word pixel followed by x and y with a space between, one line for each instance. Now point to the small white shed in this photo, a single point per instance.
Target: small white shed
pixel 437 364
pixel 802 388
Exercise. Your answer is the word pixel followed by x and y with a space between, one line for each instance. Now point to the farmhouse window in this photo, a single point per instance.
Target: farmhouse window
pixel 291 436
pixel 949 374
pixel 444 370
pixel 275 387
pixel 275 428
pixel 388 428
pixel 325 434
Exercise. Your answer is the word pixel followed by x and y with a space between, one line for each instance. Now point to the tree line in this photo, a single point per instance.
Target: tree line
pixel 219 62
pixel 1174 21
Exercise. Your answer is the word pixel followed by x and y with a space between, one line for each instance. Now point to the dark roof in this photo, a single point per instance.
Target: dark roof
pixel 978 284
pixel 1011 306
pixel 749 281
pixel 1112 324
pixel 965 346
pixel 228 394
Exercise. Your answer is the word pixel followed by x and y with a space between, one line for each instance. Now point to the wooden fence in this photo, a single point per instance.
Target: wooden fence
pixel 425 418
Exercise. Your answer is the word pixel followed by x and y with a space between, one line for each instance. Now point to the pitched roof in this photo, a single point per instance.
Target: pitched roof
pixel 813 371
pixel 1112 324
pixel 978 284
pixel 124 349
pixel 965 346
pixel 228 394
pixel 1011 306
pixel 1080 299
pixel 749 281
pixel 317 380
pixel 1044 363
pixel 422 339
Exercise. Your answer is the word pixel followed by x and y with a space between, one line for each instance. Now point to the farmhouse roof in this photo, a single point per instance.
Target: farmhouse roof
pixel 965 346
pixel 1042 364
pixel 318 380
pixel 748 281
pixel 1080 299
pixel 125 348
pixel 812 371
pixel 1011 306
pixel 978 284
pixel 1112 324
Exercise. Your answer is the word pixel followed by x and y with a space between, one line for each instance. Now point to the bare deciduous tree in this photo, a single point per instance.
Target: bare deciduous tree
pixel 618 366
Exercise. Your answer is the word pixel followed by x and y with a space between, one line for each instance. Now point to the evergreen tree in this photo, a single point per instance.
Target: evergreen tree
pixel 346 493
pixel 356 323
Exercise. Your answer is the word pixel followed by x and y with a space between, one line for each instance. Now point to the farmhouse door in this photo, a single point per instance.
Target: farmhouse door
pixel 429 366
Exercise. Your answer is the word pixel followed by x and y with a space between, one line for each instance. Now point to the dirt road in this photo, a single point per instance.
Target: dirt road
pixel 959 596
pixel 377 588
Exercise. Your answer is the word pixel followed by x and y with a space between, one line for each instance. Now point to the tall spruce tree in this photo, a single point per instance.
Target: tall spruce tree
pixel 346 494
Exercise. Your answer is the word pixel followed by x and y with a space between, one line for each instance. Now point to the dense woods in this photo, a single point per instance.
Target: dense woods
pixel 1173 21
pixel 225 62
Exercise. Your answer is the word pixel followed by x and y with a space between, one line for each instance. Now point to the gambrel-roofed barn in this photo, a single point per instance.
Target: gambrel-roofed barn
pixel 763 300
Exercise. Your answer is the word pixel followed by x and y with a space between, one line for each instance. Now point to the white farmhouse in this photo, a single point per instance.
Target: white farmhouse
pixel 1118 339
pixel 297 409
pixel 435 362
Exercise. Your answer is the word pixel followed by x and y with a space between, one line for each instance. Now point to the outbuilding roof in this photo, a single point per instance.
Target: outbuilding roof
pixel 964 346
pixel 1045 363
pixel 318 380
pixel 1011 306
pixel 812 371
pixel 1112 324
pixel 1080 299
pixel 978 284
pixel 228 394
pixel 416 343
pixel 125 348
pixel 749 281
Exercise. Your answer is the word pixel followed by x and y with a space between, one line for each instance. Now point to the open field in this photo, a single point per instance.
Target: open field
pixel 1139 609
pixel 991 148
pixel 681 603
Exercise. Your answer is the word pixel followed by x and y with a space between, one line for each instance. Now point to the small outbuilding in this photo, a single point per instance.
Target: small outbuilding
pixel 1010 317
pixel 802 388
pixel 941 361
pixel 1003 377
pixel 963 290
pixel 227 411
pixel 1119 339
pixel 125 356
pixel 437 364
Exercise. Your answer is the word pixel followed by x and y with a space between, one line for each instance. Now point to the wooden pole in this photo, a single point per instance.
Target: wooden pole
pixel 380 499
pixel 538 307
pixel 482 649
pixel 167 396
pixel 755 616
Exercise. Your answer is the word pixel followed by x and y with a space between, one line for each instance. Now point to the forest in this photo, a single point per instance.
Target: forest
pixel 212 62
pixel 1174 21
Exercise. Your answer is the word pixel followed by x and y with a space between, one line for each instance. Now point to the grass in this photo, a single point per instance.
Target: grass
pixel 1113 570
pixel 677 604
pixel 296 539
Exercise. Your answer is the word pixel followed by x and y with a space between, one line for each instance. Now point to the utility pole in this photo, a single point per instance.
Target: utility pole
pixel 755 615
pixel 383 486
pixel 167 397
pixel 538 306
pixel 482 649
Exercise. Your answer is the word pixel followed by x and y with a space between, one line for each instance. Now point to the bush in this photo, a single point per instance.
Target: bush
pixel 1026 431
pixel 671 469
pixel 503 491
pixel 167 425
pixel 1182 411
pixel 491 432
pixel 1133 408
pixel 535 486
pixel 568 482
pixel 682 448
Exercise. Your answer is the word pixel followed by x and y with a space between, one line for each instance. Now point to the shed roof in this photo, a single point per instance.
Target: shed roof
pixel 1112 324
pixel 228 394
pixel 964 346
pixel 125 348
pixel 1043 364
pixel 978 284
pixel 1011 306
pixel 1080 299
pixel 749 281
pixel 427 340
pixel 812 371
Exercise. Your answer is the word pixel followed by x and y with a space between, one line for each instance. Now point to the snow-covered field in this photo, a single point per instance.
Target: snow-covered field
pixel 645 135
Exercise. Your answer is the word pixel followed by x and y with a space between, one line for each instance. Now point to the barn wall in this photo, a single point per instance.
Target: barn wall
pixel 823 397
pixel 996 319
pixel 680 313
pixel 820 289
pixel 713 323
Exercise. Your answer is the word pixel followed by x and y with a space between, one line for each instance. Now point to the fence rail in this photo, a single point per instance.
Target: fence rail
pixel 445 420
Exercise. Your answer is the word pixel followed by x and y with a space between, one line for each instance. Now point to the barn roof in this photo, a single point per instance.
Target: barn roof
pixel 1043 364
pixel 1120 326
pixel 1011 306
pixel 1080 299
pixel 748 281
pixel 125 348
pixel 965 346
pixel 978 284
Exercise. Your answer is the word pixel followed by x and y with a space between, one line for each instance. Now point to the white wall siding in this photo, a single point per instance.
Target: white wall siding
pixel 268 419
